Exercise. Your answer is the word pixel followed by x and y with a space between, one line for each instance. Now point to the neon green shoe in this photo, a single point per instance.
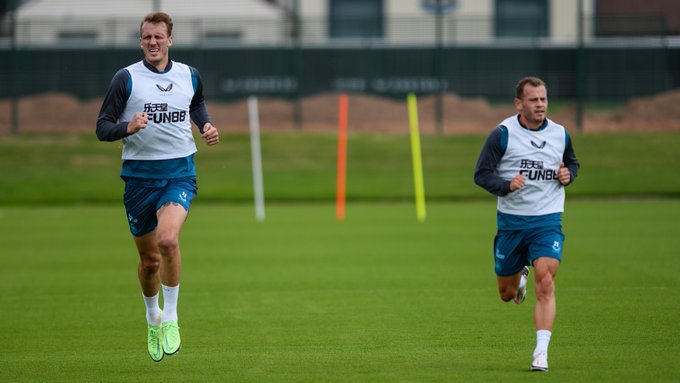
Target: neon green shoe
pixel 154 345
pixel 171 340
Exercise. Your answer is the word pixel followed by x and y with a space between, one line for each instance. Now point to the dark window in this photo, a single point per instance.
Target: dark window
pixel 522 18
pixel 78 37
pixel 219 37
pixel 356 18
pixel 637 18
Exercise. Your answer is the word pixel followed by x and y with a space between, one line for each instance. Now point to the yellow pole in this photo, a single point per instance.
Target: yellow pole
pixel 417 158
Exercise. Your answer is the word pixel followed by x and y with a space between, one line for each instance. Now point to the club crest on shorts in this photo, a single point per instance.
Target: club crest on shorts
pixel 556 246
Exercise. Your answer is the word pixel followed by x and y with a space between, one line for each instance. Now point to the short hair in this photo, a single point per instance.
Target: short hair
pixel 156 18
pixel 533 81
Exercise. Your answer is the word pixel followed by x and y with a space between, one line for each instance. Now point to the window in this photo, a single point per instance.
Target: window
pixel 78 37
pixel 637 18
pixel 222 37
pixel 522 18
pixel 356 18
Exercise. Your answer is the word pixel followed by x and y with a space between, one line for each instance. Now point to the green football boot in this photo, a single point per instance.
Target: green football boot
pixel 154 345
pixel 171 340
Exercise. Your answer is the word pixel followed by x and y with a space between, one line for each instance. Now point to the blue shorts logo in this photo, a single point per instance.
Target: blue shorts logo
pixel 499 255
pixel 132 220
pixel 556 246
pixel 183 196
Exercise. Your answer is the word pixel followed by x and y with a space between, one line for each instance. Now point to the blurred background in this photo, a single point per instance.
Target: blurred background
pixel 610 65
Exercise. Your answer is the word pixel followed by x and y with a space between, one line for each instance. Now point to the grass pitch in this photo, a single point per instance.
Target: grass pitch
pixel 303 298
pixel 73 169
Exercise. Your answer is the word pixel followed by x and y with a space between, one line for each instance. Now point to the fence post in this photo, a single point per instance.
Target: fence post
pixel 297 53
pixel 14 66
pixel 439 65
pixel 580 69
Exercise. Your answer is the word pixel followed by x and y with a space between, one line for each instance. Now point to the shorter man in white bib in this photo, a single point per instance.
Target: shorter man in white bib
pixel 149 106
pixel 527 161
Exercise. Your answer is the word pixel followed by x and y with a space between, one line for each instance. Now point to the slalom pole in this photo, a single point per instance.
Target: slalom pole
pixel 417 158
pixel 256 155
pixel 341 183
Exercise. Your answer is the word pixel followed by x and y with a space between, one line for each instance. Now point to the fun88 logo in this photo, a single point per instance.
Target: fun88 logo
pixel 158 113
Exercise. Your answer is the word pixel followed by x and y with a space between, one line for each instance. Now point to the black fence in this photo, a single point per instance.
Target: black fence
pixel 603 73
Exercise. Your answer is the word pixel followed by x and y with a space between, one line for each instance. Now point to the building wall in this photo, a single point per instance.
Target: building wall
pixel 564 19
pixel 406 21
pixel 42 22
pixel 661 15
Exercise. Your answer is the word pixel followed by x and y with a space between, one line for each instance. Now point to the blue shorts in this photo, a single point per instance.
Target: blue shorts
pixel 143 197
pixel 514 249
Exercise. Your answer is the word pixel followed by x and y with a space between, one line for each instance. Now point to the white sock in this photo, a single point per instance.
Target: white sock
pixel 542 342
pixel 153 312
pixel 170 303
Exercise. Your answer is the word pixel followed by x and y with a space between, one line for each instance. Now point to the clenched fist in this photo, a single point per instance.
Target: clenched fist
pixel 563 174
pixel 517 182
pixel 138 122
pixel 210 134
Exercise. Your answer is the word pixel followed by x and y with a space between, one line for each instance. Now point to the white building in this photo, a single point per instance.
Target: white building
pixel 462 21
pixel 214 23
pixel 83 23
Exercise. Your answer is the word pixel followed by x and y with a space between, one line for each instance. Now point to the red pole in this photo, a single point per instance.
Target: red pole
pixel 342 157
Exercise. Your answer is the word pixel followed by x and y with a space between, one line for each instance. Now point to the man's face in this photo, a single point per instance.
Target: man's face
pixel 155 43
pixel 533 106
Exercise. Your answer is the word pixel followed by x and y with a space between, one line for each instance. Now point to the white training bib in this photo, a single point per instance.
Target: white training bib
pixel 166 98
pixel 536 154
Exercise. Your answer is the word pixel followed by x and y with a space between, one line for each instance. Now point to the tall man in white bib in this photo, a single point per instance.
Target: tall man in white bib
pixel 527 161
pixel 149 105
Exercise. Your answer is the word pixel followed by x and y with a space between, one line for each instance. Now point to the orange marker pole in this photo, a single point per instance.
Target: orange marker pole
pixel 342 158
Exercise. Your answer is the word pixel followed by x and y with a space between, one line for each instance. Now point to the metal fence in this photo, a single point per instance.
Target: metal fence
pixel 293 59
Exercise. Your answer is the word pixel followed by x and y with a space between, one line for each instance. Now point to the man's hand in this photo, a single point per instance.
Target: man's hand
pixel 138 122
pixel 563 174
pixel 210 134
pixel 517 182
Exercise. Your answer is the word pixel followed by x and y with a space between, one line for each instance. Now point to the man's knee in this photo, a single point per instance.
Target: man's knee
pixel 507 293
pixel 506 297
pixel 150 264
pixel 545 286
pixel 508 286
pixel 167 243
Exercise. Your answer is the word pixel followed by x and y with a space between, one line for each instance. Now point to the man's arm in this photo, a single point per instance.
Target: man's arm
pixel 489 158
pixel 197 110
pixel 108 126
pixel 570 161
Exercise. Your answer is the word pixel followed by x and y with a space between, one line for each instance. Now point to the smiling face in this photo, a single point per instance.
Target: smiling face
pixel 532 106
pixel 155 44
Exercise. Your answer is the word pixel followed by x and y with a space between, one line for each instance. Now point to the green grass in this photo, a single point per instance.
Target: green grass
pixel 303 298
pixel 70 169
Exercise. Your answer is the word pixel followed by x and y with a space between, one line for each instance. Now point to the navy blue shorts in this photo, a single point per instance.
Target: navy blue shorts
pixel 514 249
pixel 143 197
